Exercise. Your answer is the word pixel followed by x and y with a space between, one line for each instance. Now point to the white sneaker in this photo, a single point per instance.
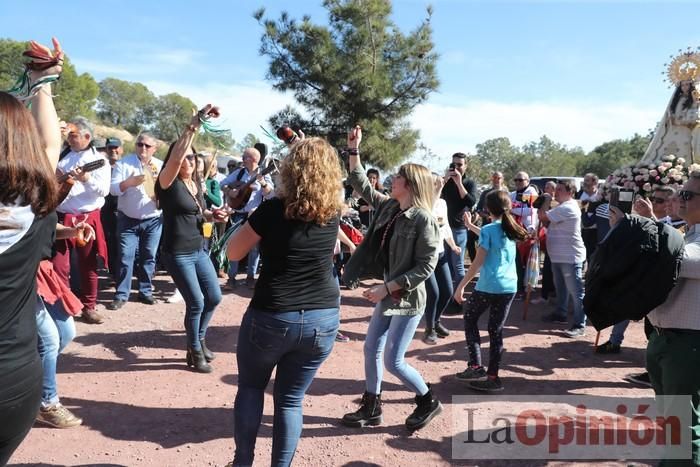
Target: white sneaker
pixel 176 297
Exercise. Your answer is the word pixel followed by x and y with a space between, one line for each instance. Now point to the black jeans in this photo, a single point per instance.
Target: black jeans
pixel 498 306
pixel 20 397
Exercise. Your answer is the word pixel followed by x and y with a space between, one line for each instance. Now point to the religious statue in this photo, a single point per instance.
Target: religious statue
pixel 678 132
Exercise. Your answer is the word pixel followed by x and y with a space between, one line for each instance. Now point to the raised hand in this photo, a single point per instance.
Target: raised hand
pixel 43 61
pixel 355 137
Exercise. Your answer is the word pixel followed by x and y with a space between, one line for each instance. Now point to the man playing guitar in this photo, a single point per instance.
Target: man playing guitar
pixel 259 189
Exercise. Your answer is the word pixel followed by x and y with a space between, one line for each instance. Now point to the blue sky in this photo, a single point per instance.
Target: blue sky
pixel 580 72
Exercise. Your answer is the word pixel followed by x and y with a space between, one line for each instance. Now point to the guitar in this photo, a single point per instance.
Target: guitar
pixel 65 181
pixel 244 189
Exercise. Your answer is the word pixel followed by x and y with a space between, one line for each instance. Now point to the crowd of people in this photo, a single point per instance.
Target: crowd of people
pixel 126 212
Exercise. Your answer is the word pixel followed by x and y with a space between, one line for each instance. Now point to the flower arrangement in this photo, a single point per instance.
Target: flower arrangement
pixel 644 177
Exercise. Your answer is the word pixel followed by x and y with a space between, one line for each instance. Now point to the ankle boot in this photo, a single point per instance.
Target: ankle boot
pixel 369 414
pixel 208 354
pixel 195 359
pixel 427 408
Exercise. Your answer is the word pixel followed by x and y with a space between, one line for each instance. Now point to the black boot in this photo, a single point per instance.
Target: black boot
pixel 441 330
pixel 208 354
pixel 427 408
pixel 195 358
pixel 369 414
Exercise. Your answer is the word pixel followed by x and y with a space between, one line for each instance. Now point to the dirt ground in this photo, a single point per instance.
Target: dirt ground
pixel 128 380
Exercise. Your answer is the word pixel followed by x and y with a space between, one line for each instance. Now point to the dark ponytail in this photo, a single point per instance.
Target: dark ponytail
pixel 498 204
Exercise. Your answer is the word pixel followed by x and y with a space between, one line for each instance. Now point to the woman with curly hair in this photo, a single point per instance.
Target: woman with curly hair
pixel 293 317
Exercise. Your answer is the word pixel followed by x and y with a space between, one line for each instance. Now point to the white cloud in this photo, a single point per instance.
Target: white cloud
pixel 448 128
pixel 140 61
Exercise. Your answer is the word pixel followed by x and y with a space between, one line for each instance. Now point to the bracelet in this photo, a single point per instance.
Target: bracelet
pixel 353 151
pixel 388 292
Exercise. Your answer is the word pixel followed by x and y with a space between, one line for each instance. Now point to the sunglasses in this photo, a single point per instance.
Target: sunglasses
pixel 686 195
pixel 144 145
pixel 191 157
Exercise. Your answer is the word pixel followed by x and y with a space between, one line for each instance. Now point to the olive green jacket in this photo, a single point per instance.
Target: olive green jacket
pixel 412 249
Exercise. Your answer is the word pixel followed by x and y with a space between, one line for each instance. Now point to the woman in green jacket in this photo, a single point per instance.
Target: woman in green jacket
pixel 400 248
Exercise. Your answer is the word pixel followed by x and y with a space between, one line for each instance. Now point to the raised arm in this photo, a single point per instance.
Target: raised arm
pixel 43 108
pixel 183 144
pixel 357 176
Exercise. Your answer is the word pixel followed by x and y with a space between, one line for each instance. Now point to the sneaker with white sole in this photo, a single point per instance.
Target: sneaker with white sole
pixel 57 416
pixel 472 373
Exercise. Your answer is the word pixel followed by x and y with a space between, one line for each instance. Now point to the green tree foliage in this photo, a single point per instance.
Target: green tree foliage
pixel 248 141
pixel 125 104
pixel 360 69
pixel 75 94
pixel 11 66
pixel 170 114
pixel 608 157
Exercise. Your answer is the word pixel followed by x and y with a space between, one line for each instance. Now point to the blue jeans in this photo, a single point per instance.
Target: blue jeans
pixel 297 343
pixel 195 278
pixel 396 333
pixel 456 261
pixel 56 330
pixel 618 332
pixel 439 291
pixel 568 281
pixel 144 235
pixel 253 255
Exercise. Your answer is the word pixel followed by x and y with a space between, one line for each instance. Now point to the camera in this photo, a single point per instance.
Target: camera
pixel 453 167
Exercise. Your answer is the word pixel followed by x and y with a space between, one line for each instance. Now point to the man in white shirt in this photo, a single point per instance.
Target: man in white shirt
pixel 567 254
pixel 261 188
pixel 138 219
pixel 83 203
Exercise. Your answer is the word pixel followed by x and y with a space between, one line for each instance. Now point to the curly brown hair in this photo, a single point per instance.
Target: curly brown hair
pixel 25 172
pixel 309 182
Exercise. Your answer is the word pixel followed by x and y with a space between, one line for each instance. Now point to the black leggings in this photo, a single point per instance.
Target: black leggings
pixel 20 397
pixel 499 306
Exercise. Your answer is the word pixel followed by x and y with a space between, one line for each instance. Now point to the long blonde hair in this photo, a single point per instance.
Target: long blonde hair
pixel 309 182
pixel 420 184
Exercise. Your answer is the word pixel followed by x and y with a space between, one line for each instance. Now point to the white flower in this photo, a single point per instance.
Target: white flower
pixel 680 160
pixel 668 158
pixel 651 166
pixel 643 170
pixel 645 178
pixel 646 187
pixel 653 173
pixel 693 167
pixel 665 180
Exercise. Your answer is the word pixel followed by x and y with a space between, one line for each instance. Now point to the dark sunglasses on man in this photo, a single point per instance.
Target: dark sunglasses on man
pixel 687 195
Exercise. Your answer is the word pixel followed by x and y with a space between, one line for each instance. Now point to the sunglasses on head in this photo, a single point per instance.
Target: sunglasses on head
pixel 144 145
pixel 687 195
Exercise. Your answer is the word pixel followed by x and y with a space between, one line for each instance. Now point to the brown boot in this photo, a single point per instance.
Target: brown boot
pixel 91 316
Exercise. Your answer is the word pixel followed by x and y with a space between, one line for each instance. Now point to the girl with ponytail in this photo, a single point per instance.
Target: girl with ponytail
pixel 494 291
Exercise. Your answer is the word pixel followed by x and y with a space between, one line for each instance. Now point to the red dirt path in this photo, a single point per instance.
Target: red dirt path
pixel 141 406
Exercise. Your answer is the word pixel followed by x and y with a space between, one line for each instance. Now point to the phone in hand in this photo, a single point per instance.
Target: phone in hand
pixel 622 198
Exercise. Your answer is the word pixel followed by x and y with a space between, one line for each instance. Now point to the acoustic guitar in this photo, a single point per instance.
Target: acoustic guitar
pixel 245 189
pixel 65 181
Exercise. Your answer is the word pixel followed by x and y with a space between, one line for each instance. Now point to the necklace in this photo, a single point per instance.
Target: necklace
pixel 192 189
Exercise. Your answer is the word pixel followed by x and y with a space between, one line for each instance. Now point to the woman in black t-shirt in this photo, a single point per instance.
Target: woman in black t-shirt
pixel 29 149
pixel 181 198
pixel 293 318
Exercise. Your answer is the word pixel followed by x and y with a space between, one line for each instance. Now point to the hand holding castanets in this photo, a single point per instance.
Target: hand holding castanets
pixel 355 137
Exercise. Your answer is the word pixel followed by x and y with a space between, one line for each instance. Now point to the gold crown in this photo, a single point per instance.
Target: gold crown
pixel 684 67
